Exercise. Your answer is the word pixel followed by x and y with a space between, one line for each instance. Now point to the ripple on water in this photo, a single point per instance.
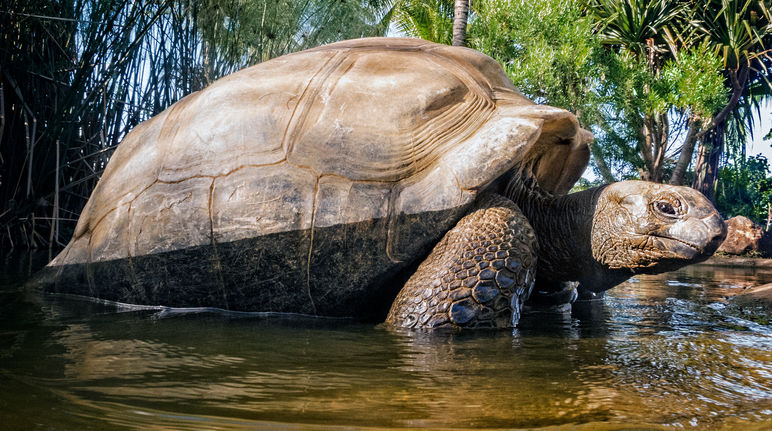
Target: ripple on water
pixel 652 354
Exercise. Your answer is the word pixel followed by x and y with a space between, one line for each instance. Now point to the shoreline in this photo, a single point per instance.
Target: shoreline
pixel 738 261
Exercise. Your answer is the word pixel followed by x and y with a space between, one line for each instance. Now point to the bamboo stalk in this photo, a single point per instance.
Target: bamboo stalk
pixel 54 235
pixel 29 153
pixel 2 116
pixel 92 74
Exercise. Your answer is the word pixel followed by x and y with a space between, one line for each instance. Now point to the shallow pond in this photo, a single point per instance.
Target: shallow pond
pixel 659 352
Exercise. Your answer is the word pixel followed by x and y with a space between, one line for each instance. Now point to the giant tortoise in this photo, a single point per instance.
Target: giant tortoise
pixel 319 182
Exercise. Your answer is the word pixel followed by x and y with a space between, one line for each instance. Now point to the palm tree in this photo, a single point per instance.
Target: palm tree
pixel 430 20
pixel 460 17
pixel 441 21
pixel 643 29
pixel 741 32
pixel 656 31
pixel 638 26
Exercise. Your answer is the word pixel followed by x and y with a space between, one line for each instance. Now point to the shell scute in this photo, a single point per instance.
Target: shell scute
pixel 349 159
pixel 261 200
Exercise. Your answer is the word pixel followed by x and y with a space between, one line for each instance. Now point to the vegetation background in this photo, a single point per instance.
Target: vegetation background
pixel 670 88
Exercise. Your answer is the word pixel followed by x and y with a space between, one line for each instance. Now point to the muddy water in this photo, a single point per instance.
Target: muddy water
pixel 659 352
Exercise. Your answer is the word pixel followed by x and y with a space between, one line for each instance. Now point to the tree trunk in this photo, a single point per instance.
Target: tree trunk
pixel 663 130
pixel 687 151
pixel 652 146
pixel 460 16
pixel 708 162
pixel 603 168
pixel 710 155
pixel 699 165
pixel 645 146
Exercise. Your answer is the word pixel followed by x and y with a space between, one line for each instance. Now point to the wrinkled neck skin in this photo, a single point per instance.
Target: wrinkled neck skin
pixel 564 228
pixel 603 236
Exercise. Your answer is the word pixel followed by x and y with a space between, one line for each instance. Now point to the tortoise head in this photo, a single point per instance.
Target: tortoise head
pixel 652 228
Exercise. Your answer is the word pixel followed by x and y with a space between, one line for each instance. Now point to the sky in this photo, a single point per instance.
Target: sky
pixel 758 145
pixel 764 123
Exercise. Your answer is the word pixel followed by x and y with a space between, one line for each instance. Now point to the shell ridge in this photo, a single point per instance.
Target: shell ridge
pixel 392 224
pixel 468 75
pixel 307 99
pixel 430 147
pixel 215 252
pixel 472 113
pixel 311 246
pixel 167 135
pixel 450 129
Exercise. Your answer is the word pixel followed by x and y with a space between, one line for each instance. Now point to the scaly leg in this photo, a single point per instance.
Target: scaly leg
pixel 478 275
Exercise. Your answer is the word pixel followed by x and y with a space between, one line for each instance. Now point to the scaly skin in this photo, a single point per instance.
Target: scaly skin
pixel 478 275
pixel 597 238
pixel 610 233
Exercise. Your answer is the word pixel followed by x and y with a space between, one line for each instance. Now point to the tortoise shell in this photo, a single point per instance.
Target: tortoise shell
pixel 310 182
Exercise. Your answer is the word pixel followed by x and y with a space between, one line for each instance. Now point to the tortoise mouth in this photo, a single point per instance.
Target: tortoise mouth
pixel 692 238
pixel 680 247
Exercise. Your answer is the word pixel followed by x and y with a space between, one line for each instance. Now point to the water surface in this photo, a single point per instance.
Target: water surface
pixel 659 352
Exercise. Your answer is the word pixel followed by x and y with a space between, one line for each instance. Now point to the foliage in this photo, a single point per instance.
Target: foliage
pixel 546 48
pixel 690 49
pixel 644 113
pixel 426 19
pixel 692 81
pixel 550 52
pixel 745 188
pixel 66 95
pixel 77 75
pixel 738 28
pixel 617 122
pixel 247 32
pixel 741 33
pixel 635 25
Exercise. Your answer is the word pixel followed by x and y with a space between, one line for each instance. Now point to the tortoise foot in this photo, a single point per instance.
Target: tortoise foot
pixel 477 276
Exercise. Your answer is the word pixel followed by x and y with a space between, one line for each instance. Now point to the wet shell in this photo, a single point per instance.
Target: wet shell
pixel 308 182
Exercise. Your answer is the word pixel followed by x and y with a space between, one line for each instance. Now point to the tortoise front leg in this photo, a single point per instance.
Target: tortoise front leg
pixel 478 275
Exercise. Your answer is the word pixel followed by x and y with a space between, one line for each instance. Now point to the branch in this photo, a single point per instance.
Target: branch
pixel 738 85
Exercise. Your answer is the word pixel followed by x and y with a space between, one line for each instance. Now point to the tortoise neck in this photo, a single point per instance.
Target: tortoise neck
pixel 563 226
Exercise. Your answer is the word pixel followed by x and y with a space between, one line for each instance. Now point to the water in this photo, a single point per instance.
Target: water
pixel 659 352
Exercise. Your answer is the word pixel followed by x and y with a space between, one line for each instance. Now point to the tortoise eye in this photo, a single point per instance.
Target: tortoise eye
pixel 665 208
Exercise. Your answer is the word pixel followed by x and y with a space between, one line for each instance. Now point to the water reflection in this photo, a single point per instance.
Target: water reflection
pixel 659 350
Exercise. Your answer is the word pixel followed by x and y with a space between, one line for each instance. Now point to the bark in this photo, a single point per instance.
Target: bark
pixel 663 128
pixel 699 165
pixel 460 17
pixel 652 146
pixel 646 145
pixel 654 132
pixel 710 155
pixel 603 168
pixel 687 151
